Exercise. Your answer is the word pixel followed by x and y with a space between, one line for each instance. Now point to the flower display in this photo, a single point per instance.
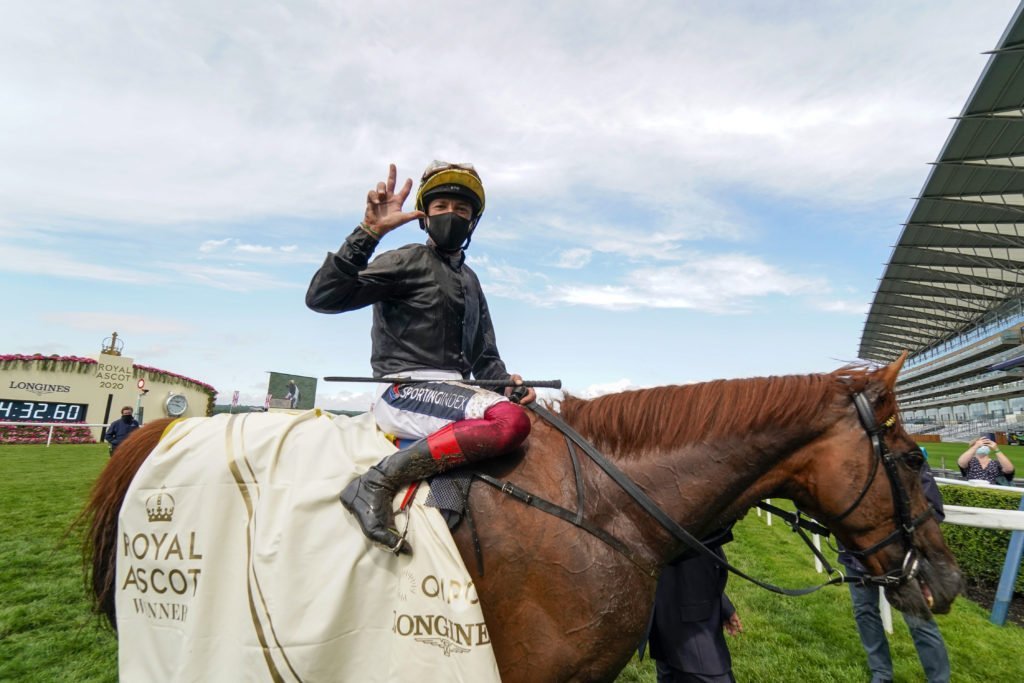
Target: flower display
pixel 171 376
pixel 29 433
pixel 53 362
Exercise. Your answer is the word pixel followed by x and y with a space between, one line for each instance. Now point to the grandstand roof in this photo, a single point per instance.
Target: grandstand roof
pixel 961 252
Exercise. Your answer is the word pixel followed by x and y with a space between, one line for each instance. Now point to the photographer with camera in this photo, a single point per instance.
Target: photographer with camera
pixel 984 461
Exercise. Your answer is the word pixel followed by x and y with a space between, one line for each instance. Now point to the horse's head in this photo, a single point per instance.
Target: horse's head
pixel 863 479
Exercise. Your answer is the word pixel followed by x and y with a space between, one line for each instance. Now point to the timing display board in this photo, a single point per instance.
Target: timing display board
pixel 13 410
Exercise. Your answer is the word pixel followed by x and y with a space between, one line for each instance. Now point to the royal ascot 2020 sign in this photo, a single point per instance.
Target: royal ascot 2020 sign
pixel 76 390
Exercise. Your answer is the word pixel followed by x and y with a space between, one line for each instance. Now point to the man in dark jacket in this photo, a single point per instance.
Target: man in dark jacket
pixel 431 323
pixel 931 648
pixel 691 610
pixel 119 430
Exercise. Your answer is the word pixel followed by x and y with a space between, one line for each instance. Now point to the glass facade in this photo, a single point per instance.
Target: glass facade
pixel 1007 316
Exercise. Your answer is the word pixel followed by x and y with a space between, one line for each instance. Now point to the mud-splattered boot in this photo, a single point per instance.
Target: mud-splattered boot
pixel 369 497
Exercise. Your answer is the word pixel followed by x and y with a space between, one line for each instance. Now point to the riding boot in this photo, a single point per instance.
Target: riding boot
pixel 369 497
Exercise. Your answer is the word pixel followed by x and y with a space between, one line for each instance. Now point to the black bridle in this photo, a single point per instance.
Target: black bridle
pixel 904 523
pixel 904 531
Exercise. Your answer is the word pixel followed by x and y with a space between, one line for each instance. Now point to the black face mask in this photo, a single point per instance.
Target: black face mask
pixel 126 418
pixel 448 230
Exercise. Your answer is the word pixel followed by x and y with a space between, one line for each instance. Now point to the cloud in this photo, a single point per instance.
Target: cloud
pixel 595 390
pixel 239 247
pixel 55 263
pixel 574 258
pixel 722 283
pixel 217 113
pixel 213 245
pixel 643 233
pixel 124 323
pixel 231 279
pixel 850 307
pixel 254 248
pixel 161 269
pixel 344 400
pixel 510 282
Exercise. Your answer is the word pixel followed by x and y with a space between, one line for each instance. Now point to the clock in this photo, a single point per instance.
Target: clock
pixel 176 405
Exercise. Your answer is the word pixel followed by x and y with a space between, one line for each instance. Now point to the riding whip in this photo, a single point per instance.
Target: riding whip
pixel 486 383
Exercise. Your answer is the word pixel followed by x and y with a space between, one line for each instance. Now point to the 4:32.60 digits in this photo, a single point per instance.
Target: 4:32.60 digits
pixel 42 411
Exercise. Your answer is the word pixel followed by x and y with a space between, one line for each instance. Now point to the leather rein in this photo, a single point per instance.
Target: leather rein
pixel 904 524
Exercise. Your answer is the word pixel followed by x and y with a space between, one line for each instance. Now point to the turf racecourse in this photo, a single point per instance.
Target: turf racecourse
pixel 48 634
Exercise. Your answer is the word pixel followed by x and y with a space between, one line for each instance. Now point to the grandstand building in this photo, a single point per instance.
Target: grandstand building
pixel 952 293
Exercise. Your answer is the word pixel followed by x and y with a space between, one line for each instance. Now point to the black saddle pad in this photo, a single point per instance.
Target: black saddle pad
pixel 448 493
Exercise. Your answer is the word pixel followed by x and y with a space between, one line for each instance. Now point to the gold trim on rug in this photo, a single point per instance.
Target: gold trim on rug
pixel 243 489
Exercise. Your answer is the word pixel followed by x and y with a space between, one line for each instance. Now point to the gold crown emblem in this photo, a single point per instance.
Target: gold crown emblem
pixel 160 507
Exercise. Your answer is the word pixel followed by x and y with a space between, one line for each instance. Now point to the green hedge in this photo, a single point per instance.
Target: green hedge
pixel 980 552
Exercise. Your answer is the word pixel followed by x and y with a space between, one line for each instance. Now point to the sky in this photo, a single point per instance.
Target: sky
pixel 676 191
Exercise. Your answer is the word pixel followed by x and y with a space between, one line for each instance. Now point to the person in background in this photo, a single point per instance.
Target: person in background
pixel 983 460
pixel 119 430
pixel 691 611
pixel 293 394
pixel 931 648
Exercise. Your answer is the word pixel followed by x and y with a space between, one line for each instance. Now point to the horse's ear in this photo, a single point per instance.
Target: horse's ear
pixel 889 373
pixel 884 378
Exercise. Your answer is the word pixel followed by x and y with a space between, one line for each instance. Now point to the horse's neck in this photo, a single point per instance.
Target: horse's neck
pixel 704 488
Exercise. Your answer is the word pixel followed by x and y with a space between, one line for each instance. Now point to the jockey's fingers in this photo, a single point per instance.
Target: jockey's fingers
pixel 403 194
pixel 517 394
pixel 411 216
pixel 392 175
pixel 396 219
pixel 372 198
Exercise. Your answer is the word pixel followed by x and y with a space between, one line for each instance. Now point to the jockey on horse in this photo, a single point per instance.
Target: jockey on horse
pixel 430 322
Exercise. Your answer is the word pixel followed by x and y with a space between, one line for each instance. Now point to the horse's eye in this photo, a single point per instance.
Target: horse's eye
pixel 914 459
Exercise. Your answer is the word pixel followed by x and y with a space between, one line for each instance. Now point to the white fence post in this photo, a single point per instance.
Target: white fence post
pixel 886 611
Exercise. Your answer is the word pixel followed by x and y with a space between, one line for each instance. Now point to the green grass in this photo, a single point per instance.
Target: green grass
pixel 47 632
pixel 813 638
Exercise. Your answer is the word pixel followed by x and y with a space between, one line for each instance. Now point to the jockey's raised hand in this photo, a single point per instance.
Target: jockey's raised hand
pixel 384 205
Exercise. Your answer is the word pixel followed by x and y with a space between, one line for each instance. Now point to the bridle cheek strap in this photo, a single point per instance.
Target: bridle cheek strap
pixel 904 523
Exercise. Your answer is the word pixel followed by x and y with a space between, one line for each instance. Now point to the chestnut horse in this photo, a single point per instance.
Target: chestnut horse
pixel 563 605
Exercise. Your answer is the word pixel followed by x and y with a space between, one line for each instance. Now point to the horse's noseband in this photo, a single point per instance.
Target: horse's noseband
pixel 904 523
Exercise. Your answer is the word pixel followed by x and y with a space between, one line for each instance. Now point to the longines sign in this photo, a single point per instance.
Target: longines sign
pixel 40 388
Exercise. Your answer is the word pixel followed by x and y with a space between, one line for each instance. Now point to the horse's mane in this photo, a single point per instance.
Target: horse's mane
pixel 663 417
pixel 99 517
